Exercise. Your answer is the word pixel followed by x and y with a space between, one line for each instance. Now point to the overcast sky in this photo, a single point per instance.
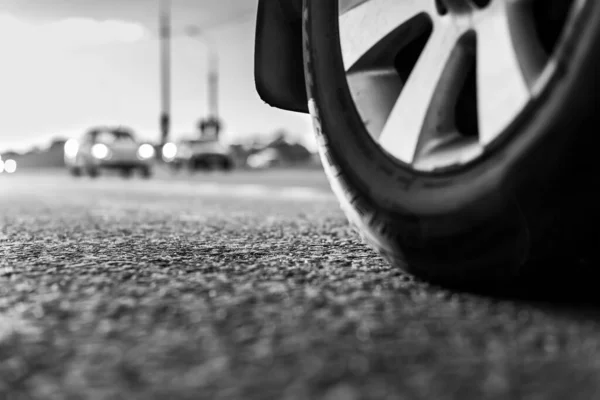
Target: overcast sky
pixel 70 64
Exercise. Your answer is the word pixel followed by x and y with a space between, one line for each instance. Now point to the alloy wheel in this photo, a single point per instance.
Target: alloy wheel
pixel 438 82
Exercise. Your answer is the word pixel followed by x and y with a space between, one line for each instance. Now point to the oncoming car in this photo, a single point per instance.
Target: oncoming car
pixel 264 159
pixel 459 136
pixel 108 148
pixel 198 154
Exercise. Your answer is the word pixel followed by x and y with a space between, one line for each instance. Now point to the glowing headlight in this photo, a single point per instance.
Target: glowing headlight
pixel 145 151
pixel 10 166
pixel 71 148
pixel 100 151
pixel 169 151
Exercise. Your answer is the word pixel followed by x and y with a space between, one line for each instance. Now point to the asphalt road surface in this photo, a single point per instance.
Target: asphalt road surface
pixel 250 287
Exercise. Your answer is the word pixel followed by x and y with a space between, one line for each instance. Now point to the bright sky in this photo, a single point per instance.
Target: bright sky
pixel 67 65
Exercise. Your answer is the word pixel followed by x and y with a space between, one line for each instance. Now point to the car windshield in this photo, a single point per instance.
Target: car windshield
pixel 113 137
pixel 198 141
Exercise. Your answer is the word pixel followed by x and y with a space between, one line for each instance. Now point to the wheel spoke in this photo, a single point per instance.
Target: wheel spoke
pixel 502 88
pixel 368 23
pixel 374 93
pixel 400 136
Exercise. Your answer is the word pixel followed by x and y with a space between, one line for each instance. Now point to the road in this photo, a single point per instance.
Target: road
pixel 250 288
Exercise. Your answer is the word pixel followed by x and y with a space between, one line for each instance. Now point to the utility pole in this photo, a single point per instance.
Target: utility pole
pixel 212 121
pixel 165 73
pixel 213 84
pixel 213 68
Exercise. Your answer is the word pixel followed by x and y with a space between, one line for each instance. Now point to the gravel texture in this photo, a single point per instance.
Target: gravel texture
pixel 120 290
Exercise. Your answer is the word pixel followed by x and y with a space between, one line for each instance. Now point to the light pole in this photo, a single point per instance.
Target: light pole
pixel 165 73
pixel 212 71
pixel 165 69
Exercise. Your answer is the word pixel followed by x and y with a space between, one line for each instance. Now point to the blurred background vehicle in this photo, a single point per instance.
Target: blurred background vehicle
pixel 266 158
pixel 198 154
pixel 204 81
pixel 105 148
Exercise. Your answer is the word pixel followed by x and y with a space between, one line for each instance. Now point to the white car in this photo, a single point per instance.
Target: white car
pixel 208 154
pixel 108 149
pixel 263 159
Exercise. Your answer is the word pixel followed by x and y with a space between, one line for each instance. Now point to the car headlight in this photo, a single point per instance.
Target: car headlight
pixel 1 166
pixel 145 151
pixel 169 151
pixel 71 148
pixel 10 166
pixel 100 151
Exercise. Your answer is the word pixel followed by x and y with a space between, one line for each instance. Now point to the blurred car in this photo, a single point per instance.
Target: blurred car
pixel 108 148
pixel 195 154
pixel 266 158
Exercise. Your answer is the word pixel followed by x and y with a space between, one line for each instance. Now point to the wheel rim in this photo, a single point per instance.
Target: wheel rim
pixel 438 82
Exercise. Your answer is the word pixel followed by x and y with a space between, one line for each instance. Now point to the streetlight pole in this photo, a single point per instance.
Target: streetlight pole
pixel 165 74
pixel 213 84
pixel 213 69
pixel 165 67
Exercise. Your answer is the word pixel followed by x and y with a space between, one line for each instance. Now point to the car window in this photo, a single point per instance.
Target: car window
pixel 197 141
pixel 113 137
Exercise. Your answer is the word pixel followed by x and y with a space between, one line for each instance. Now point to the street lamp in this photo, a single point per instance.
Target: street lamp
pixel 165 76
pixel 212 71
pixel 164 11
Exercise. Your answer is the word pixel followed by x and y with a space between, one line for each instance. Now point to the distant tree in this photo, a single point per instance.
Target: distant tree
pixel 10 154
pixel 280 134
pixel 35 150
pixel 289 152
pixel 57 143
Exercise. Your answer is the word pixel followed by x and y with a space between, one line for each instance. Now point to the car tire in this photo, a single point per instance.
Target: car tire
pixel 126 172
pixel 75 171
pixel 227 165
pixel 146 172
pixel 176 166
pixel 93 172
pixel 193 166
pixel 530 198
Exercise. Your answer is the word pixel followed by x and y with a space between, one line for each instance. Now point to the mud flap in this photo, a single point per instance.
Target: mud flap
pixel 278 64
